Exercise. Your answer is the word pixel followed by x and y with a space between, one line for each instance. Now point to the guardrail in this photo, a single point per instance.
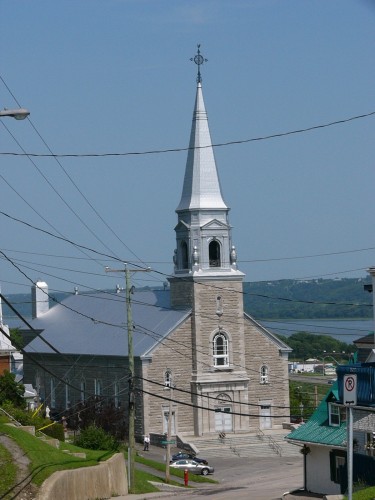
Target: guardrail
pixel 271 442
pixel 10 417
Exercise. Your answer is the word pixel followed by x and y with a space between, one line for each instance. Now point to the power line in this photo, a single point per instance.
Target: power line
pixel 71 181
pixel 216 145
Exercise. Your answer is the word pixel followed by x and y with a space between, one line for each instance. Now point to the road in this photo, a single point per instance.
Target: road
pixel 255 478
pixel 310 379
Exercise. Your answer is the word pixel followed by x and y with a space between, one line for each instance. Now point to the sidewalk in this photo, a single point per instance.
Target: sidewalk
pixel 300 495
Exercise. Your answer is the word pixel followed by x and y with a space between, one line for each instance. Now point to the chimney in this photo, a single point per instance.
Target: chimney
pixel 39 298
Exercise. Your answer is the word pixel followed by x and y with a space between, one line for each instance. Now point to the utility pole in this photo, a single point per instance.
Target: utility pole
pixel 131 400
pixel 168 457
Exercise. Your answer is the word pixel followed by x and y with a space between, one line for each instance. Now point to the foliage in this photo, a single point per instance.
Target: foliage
pixel 16 338
pixel 26 417
pixel 95 438
pixel 99 413
pixel 319 298
pixel 55 431
pixel 307 345
pixel 10 390
pixel 301 394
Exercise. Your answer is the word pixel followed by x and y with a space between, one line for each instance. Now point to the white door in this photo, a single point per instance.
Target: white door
pixel 265 417
pixel 223 419
pixel 165 422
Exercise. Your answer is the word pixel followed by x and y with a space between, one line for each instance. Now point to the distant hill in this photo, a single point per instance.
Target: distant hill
pixel 320 298
pixel 282 299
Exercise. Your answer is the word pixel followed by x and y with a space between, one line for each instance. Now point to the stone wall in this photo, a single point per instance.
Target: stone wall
pixel 174 354
pixel 262 350
pixel 108 479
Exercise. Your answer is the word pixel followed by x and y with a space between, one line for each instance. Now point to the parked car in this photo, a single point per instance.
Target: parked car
pixel 193 467
pixel 183 455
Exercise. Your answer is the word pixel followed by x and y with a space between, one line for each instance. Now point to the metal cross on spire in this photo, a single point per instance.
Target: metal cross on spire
pixel 199 60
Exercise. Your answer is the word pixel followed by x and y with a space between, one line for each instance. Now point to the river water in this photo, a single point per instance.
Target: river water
pixel 345 330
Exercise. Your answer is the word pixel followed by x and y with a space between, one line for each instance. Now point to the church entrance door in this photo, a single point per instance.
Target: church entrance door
pixel 223 419
pixel 265 417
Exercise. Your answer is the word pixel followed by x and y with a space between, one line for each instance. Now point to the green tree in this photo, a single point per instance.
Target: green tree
pixel 301 402
pixel 310 345
pixel 16 338
pixel 10 390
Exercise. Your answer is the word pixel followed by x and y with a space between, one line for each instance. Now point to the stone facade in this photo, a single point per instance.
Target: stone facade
pixel 246 401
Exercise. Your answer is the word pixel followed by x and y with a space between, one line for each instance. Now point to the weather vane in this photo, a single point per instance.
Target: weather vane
pixel 199 60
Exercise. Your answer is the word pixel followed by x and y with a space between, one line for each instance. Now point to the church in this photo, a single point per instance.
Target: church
pixel 197 355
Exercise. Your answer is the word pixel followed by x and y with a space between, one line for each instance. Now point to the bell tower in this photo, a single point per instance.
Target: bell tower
pixel 207 280
pixel 204 246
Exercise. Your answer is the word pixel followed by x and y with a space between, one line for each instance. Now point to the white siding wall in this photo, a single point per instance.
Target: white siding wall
pixel 318 478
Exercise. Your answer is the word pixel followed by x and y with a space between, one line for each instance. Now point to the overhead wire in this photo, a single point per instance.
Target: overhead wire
pixel 215 145
pixel 73 183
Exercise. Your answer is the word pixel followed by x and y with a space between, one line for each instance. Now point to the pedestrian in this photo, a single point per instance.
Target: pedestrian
pixel 146 443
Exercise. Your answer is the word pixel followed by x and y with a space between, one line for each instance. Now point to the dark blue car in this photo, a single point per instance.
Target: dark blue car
pixel 182 455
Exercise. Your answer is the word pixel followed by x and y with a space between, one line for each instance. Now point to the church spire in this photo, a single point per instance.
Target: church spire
pixel 203 232
pixel 201 189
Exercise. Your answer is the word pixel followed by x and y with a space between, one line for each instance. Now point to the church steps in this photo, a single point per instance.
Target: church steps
pixel 244 446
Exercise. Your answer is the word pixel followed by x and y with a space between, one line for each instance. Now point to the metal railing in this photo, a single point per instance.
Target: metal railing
pixel 271 442
pixel 11 418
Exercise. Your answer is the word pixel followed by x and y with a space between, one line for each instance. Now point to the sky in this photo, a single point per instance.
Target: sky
pixel 115 77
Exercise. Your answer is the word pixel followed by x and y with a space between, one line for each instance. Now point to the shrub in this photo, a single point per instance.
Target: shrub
pixel 54 431
pixel 10 390
pixel 25 417
pixel 95 438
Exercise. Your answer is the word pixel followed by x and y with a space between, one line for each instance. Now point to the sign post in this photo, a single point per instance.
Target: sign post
pixel 350 399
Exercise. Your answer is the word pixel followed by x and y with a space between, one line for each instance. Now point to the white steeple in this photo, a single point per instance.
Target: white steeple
pixel 201 188
pixel 203 232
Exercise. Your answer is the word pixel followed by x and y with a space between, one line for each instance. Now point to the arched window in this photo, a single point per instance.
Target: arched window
pixel 67 399
pixel 220 350
pixel 168 378
pixel 184 255
pixel 53 392
pixel 83 389
pixel 264 374
pixel 117 395
pixel 214 253
pixel 97 387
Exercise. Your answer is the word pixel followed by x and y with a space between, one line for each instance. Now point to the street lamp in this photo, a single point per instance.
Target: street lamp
pixel 18 114
pixel 301 410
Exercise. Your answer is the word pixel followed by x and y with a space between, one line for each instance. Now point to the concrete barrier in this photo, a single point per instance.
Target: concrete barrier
pixel 104 480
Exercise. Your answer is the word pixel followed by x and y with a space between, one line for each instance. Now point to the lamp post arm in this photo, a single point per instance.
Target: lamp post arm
pixel 18 114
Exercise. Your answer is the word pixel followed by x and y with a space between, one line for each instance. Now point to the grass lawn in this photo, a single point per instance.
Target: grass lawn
pixel 8 470
pixel 365 494
pixel 45 459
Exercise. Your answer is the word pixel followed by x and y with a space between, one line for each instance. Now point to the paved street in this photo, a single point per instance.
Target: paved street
pixel 252 478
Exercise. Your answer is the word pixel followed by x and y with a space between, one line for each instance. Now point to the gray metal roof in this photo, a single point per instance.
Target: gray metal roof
pixel 201 189
pixel 97 324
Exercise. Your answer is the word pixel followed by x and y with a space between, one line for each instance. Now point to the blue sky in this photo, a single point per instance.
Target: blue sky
pixel 115 76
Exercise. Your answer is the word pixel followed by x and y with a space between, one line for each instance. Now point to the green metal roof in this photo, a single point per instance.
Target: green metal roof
pixel 317 429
